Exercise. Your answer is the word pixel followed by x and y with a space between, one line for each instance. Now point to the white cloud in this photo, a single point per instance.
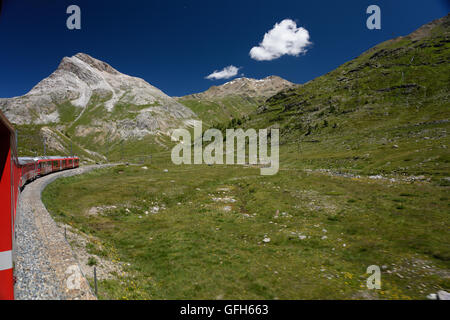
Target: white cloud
pixel 284 38
pixel 225 73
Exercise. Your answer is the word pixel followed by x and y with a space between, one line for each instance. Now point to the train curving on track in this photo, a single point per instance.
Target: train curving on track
pixel 15 172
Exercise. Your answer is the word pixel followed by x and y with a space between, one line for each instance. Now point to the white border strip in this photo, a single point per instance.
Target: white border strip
pixel 6 260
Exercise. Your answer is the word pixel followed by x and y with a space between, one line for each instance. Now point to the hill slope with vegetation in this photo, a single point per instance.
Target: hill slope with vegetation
pixel 234 99
pixel 386 111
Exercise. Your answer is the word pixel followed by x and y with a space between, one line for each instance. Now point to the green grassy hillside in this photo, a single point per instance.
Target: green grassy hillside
pixel 221 110
pixel 31 139
pixel 87 131
pixel 386 111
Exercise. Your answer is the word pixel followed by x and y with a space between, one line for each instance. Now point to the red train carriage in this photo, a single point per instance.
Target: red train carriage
pixel 15 173
pixel 47 165
pixel 44 167
pixel 28 170
pixel 9 188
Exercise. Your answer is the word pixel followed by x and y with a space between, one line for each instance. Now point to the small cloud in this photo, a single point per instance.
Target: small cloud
pixel 283 39
pixel 225 73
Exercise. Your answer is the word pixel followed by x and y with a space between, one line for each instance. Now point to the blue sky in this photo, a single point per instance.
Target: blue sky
pixel 174 45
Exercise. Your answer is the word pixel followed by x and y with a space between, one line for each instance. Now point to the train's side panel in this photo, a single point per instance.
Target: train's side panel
pixel 45 167
pixel 26 173
pixel 16 181
pixel 9 176
pixel 56 164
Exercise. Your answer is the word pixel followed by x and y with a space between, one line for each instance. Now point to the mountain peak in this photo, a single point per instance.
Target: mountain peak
pixel 95 63
pixel 81 79
pixel 249 87
pixel 82 61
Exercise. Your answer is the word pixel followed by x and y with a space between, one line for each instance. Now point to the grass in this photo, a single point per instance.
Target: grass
pixel 219 110
pixel 194 249
pixel 30 142
pixel 92 261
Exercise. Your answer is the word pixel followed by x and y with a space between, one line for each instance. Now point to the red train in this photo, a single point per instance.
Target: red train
pixel 15 172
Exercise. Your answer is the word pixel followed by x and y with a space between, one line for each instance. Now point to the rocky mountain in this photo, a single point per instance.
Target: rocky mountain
pixel 234 99
pixel 96 106
pixel 248 87
pixel 79 80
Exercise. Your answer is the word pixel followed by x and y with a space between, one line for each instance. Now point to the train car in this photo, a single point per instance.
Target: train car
pixel 46 165
pixel 9 189
pixel 28 170
pixel 73 162
pixel 14 174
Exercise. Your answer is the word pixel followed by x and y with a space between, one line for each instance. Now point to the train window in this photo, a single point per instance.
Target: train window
pixel 55 163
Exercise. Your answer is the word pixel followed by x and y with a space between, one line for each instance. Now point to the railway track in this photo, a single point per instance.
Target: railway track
pixel 45 265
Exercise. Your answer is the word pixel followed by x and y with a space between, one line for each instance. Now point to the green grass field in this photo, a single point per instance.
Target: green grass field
pixel 206 241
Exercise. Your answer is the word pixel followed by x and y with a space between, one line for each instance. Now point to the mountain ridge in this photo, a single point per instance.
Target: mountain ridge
pixel 78 79
pixel 233 99
pixel 87 103
pixel 254 88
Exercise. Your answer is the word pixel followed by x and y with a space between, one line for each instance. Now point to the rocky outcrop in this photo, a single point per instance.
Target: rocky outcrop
pixel 253 88
pixel 80 79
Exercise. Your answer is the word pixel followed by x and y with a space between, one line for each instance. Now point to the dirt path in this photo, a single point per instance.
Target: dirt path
pixel 45 267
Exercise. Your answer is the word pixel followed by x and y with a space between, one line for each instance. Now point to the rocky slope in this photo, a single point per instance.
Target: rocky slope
pixel 78 80
pixel 96 105
pixel 253 88
pixel 234 99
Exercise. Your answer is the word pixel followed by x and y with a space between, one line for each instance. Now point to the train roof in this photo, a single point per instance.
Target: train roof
pixel 54 158
pixel 25 160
